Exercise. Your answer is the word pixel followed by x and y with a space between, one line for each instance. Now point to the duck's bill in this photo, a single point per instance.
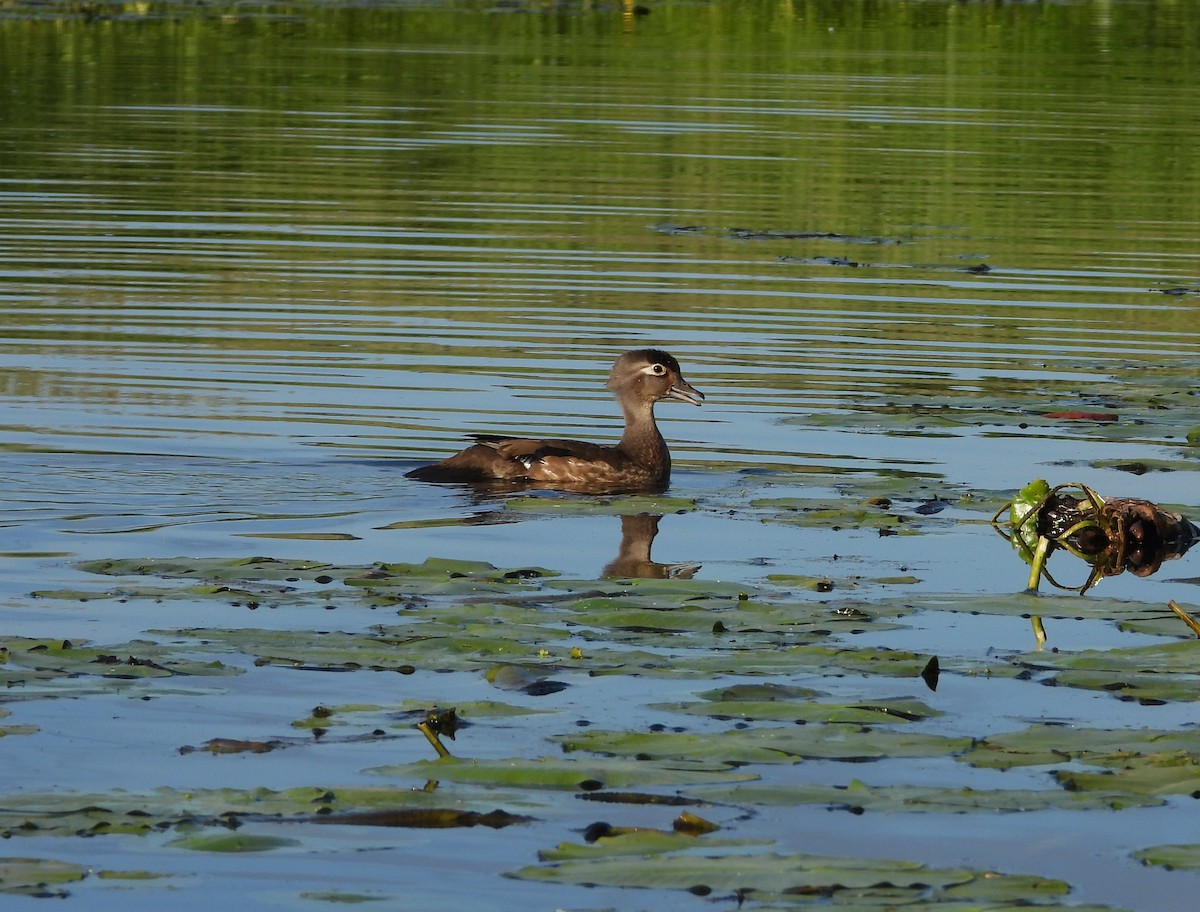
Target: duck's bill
pixel 685 392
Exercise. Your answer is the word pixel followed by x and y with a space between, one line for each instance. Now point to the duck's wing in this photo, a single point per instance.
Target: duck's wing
pixel 561 464
pixel 529 451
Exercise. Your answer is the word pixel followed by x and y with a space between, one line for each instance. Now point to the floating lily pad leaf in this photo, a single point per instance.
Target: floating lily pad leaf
pixel 745 655
pixel 802 879
pixel 237 843
pixel 1142 466
pixel 6 730
pixel 248 593
pixel 641 842
pixel 877 661
pixel 766 745
pixel 568 774
pixel 256 568
pixel 238 746
pixel 165 809
pixel 1173 773
pixel 760 693
pixel 858 797
pixel 708 624
pixel 450 585
pixel 1157 620
pixel 40 877
pixel 264 578
pixel 475 709
pixel 1041 745
pixel 896 580
pixel 864 713
pixel 1160 671
pixel 45 660
pixel 1184 857
pixel 662 592
pixel 612 614
pixel 833 515
pixel 131 875
pixel 1022 604
pixel 430 646
pixel 330 896
pixel 559 505
pixel 801 581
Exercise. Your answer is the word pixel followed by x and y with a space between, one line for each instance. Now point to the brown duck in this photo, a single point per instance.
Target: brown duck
pixel 640 461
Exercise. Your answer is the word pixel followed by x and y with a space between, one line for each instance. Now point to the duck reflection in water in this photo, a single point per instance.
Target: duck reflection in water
pixel 633 557
pixel 639 462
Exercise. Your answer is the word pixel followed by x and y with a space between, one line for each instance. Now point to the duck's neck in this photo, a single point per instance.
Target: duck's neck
pixel 642 442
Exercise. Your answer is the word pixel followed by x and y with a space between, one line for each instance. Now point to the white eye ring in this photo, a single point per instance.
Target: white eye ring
pixel 657 369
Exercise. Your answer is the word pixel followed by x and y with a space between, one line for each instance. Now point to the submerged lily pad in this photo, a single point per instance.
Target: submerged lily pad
pixel 237 843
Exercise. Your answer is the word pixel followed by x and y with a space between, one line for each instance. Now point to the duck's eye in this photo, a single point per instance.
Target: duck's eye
pixel 657 369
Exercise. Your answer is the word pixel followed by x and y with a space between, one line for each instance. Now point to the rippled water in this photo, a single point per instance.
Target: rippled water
pixel 258 264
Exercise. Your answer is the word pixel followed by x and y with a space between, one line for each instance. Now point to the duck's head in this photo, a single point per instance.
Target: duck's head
pixel 648 375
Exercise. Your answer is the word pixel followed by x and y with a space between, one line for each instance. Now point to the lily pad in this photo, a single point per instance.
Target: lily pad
pixel 767 745
pixel 569 774
pixel 730 705
pixel 1185 857
pixel 1169 773
pixel 1158 672
pixel 31 662
pixel 196 811
pixel 792 880
pixel 41 877
pixel 1043 745
pixel 235 843
pixel 858 797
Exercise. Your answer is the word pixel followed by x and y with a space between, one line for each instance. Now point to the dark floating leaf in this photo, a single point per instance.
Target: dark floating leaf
pixel 638 798
pixel 545 688
pixel 424 818
pixel 1101 417
pixel 930 673
pixel 930 507
pixel 234 746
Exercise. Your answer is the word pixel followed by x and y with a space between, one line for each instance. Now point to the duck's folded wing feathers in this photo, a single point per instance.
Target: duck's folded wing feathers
pixel 528 450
